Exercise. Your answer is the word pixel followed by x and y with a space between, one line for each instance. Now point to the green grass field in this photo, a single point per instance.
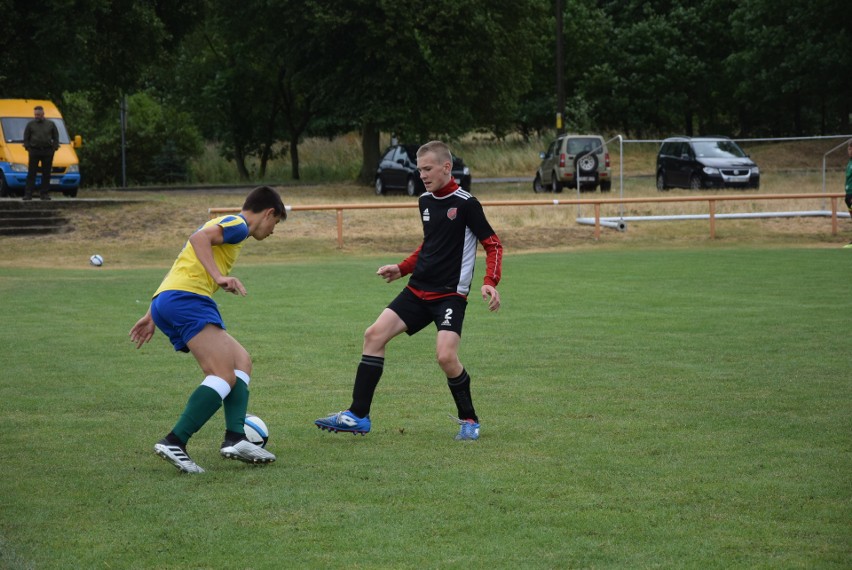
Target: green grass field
pixel 640 409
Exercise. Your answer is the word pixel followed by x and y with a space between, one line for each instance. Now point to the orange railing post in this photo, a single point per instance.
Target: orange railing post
pixel 712 219
pixel 833 216
pixel 597 221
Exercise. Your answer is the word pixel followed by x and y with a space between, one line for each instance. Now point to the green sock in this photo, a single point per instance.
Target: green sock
pixel 236 404
pixel 201 406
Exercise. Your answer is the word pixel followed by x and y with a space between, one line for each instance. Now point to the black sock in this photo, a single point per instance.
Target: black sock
pixel 234 437
pixel 366 379
pixel 172 439
pixel 460 389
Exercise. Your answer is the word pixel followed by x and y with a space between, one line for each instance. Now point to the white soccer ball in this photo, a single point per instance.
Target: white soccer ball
pixel 96 260
pixel 256 430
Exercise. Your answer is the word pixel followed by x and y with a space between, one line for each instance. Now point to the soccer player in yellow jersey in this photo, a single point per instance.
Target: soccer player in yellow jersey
pixel 184 310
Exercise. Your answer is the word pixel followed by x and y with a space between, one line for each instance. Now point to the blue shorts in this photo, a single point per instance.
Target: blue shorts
pixel 181 315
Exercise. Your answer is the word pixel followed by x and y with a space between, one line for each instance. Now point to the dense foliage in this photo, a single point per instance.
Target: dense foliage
pixel 258 77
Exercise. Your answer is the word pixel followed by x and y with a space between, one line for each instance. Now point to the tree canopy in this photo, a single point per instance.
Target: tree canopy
pixel 258 77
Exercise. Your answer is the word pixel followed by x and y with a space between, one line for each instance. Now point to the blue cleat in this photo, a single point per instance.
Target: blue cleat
pixel 345 421
pixel 468 430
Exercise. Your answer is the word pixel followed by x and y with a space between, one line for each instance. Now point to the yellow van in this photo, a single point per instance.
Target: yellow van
pixel 14 116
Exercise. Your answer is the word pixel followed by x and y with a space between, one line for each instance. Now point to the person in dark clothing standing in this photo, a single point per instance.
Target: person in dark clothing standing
pixel 849 184
pixel 441 273
pixel 41 139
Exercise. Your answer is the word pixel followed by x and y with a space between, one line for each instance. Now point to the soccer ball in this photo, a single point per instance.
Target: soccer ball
pixel 256 430
pixel 96 260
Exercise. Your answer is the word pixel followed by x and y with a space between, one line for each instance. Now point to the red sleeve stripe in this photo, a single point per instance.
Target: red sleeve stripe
pixel 493 260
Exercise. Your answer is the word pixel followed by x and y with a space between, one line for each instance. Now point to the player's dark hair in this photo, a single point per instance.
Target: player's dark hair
pixel 264 197
pixel 38 108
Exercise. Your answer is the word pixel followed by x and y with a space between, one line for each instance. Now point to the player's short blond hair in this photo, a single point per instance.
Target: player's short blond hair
pixel 439 149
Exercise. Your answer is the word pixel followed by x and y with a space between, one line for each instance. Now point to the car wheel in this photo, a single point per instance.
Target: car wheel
pixel 538 187
pixel 411 187
pixel 586 163
pixel 380 186
pixel 661 181
pixel 72 193
pixel 4 187
pixel 606 186
pixel 555 184
pixel 695 182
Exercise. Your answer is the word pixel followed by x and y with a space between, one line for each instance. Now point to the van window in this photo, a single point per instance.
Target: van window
pixel 584 144
pixel 551 150
pixel 13 129
pixel 719 149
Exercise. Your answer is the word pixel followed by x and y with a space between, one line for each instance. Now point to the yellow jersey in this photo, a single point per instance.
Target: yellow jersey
pixel 187 273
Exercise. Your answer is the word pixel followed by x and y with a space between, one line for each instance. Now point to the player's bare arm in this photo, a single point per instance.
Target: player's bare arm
pixel 202 242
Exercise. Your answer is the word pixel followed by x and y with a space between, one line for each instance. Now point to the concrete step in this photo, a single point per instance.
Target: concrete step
pixel 36 230
pixel 26 218
pixel 22 213
pixel 34 204
pixel 23 222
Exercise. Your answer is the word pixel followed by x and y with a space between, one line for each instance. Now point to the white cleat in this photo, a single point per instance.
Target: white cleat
pixel 247 452
pixel 177 456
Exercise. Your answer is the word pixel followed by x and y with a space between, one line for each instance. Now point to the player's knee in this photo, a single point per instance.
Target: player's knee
pixel 227 375
pixel 447 359
pixel 374 337
pixel 244 364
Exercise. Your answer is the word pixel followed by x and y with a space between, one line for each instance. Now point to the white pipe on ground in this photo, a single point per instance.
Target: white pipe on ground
pixel 616 224
pixel 620 222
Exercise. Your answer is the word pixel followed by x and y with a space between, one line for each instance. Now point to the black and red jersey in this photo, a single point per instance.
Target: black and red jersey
pixel 453 223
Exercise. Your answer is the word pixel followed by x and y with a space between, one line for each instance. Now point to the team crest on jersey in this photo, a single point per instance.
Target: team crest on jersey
pixel 452 212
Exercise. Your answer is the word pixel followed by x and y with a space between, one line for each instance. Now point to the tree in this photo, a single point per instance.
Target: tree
pixel 791 66
pixel 424 70
pixel 160 141
pixel 260 78
pixel 104 47
pixel 661 69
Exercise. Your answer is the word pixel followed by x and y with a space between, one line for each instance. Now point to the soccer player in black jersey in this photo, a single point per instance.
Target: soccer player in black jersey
pixel 441 272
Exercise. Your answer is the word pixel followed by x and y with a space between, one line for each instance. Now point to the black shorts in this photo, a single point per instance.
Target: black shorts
pixel 447 312
pixel 849 201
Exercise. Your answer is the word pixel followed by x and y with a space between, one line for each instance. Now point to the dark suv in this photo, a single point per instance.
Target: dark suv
pixel 704 162
pixel 397 170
